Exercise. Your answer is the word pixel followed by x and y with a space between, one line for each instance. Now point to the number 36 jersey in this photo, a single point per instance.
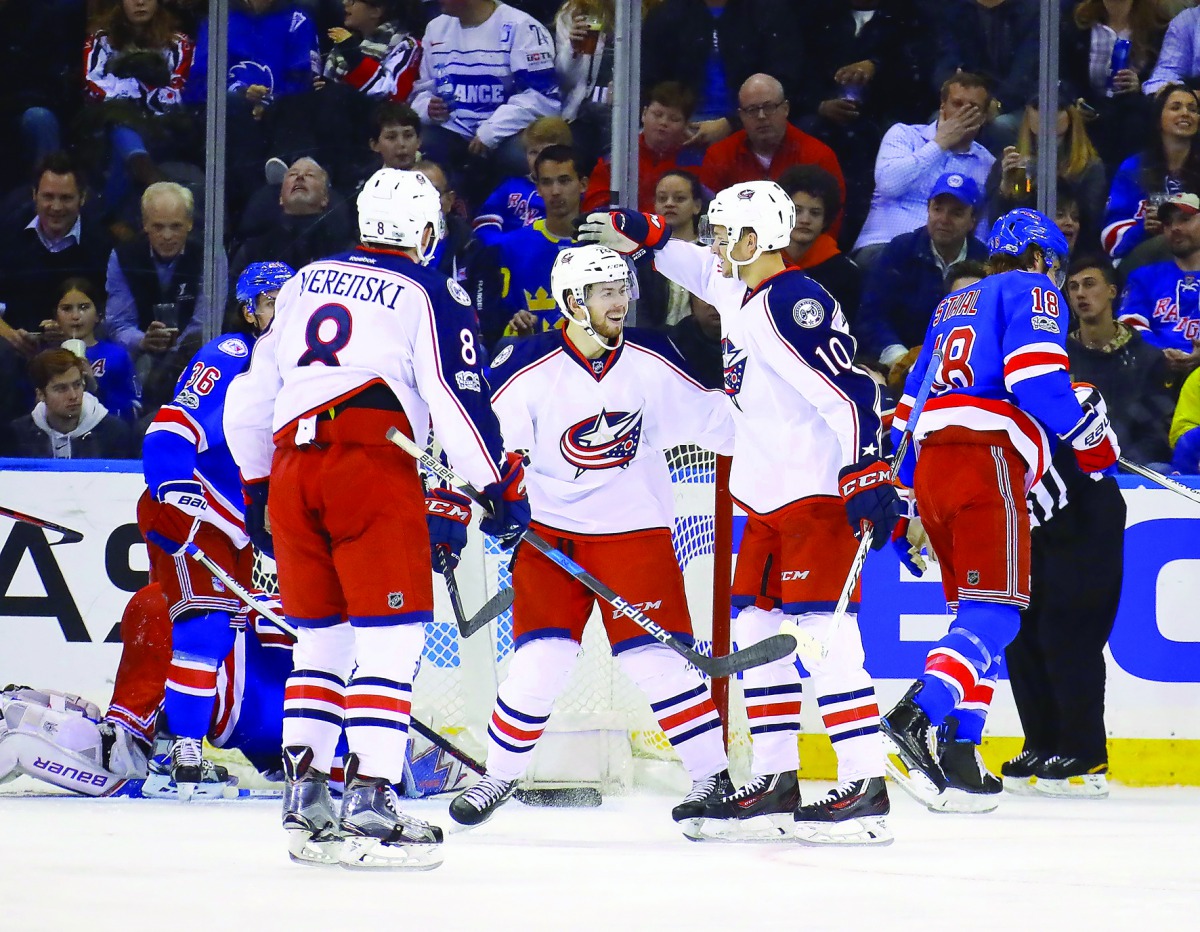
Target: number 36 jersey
pixel 368 316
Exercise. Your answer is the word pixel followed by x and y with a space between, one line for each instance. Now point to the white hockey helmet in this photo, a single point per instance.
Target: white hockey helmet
pixel 761 206
pixel 394 209
pixel 576 268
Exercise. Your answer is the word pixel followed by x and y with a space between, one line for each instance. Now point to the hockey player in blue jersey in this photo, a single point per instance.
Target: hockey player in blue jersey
pixel 194 495
pixel 1000 400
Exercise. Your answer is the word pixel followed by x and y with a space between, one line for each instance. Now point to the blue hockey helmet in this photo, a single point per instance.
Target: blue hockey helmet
pixel 259 277
pixel 1020 228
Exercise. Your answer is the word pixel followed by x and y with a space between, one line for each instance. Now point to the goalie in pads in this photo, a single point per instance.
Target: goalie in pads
pixel 595 405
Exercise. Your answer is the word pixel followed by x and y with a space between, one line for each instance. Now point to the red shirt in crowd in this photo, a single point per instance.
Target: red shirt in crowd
pixel 651 167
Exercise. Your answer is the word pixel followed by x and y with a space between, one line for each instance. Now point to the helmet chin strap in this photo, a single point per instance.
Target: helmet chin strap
pixel 586 323
pixel 424 256
pixel 739 264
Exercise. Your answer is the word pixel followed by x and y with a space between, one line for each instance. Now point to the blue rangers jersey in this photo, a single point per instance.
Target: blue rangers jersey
pixel 186 439
pixel 1004 368
pixel 1162 302
pixel 514 204
pixel 802 410
pixel 118 386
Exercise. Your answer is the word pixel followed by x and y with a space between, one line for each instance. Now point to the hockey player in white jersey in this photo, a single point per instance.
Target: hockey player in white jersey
pixel 596 405
pixel 806 458
pixel 361 343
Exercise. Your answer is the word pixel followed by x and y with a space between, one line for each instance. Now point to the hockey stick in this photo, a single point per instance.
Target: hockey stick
pixel 494 607
pixel 807 646
pixel 773 648
pixel 68 536
pixel 1158 478
pixel 564 796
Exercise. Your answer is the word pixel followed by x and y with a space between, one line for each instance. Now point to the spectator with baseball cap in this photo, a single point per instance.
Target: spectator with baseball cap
pixel 906 281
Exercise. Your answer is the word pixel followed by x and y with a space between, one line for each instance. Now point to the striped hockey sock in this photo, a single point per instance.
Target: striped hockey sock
pixel 314 703
pixel 190 693
pixel 377 714
pixel 852 721
pixel 512 734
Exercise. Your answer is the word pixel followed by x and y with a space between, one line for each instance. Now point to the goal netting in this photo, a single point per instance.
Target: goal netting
pixel 601 731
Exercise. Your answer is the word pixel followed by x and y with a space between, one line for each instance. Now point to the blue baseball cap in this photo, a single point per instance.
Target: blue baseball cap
pixel 959 186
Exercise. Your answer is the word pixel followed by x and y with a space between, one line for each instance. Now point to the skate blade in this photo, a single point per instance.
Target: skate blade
pixel 914 782
pixel 304 849
pixel 866 830
pixel 1087 786
pixel 960 801
pixel 1019 786
pixel 159 786
pixel 373 854
pixel 757 829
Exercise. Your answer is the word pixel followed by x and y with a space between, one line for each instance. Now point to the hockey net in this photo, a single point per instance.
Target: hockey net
pixel 602 732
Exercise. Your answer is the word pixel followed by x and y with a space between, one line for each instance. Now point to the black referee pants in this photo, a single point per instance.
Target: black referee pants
pixel 1056 662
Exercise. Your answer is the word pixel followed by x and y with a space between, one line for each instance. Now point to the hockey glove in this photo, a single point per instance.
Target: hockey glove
pixel 257 527
pixel 868 495
pixel 185 494
pixel 1095 444
pixel 508 504
pixel 447 513
pixel 171 529
pixel 908 537
pixel 630 233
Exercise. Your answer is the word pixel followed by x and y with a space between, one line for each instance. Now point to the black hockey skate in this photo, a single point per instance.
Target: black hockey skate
pixel 182 772
pixel 1072 777
pixel 308 814
pixel 1018 774
pixel 475 805
pixel 910 760
pixel 970 786
pixel 709 790
pixel 376 834
pixel 759 811
pixel 852 813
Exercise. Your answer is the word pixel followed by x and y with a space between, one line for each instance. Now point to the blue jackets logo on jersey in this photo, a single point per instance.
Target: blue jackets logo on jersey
pixel 734 360
pixel 610 439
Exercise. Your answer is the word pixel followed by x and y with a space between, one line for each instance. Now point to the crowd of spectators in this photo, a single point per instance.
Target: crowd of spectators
pixel 901 129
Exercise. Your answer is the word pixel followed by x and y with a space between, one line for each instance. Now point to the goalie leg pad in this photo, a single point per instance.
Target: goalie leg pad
pixel 772 693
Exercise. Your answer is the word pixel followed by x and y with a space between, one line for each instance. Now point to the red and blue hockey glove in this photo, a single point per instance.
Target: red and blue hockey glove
pixel 255 495
pixel 185 494
pixel 447 513
pixel 1095 444
pixel 909 537
pixel 507 503
pixel 629 232
pixel 868 495
pixel 173 523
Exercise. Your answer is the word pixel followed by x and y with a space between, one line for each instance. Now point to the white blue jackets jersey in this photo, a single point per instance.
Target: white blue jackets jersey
pixel 1162 302
pixel 802 409
pixel 502 71
pixel 596 429
pixel 186 439
pixel 1004 367
pixel 367 317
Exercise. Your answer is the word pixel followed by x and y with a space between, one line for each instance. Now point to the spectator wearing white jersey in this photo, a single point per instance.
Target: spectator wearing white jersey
pixel 487 73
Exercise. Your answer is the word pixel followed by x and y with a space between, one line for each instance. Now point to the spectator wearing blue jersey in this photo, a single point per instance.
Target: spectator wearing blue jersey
pixel 515 202
pixel 77 314
pixel 906 282
pixel 487 72
pixel 68 422
pixel 1162 300
pixel 1168 165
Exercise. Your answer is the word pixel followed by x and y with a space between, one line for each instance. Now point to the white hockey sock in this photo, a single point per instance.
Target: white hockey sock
pixel 537 674
pixel 682 704
pixel 772 694
pixel 379 696
pixel 314 699
pixel 845 696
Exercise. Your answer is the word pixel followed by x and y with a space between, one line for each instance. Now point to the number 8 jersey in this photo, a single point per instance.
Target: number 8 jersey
pixel 368 316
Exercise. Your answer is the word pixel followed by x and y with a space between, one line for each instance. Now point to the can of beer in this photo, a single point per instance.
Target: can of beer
pixel 1119 61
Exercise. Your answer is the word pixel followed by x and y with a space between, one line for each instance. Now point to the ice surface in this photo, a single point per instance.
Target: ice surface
pixel 1129 862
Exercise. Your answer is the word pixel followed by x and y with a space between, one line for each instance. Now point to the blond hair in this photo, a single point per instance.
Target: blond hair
pixel 1075 156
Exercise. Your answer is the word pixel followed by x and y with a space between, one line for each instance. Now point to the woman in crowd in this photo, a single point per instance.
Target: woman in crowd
pixel 679 199
pixel 1169 164
pixel 1013 179
pixel 135 68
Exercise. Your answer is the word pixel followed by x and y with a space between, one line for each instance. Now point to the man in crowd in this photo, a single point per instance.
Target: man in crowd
pixel 906 282
pixel 912 157
pixel 515 202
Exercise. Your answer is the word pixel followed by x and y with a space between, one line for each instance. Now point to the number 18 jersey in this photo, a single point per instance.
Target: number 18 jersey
pixel 368 316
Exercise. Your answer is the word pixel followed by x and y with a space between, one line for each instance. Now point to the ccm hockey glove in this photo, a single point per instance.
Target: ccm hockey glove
pixel 508 503
pixel 447 514
pixel 629 232
pixel 868 495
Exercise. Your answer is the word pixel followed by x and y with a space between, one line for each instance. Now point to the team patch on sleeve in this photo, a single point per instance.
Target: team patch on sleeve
pixel 233 347
pixel 808 313
pixel 458 293
pixel 502 356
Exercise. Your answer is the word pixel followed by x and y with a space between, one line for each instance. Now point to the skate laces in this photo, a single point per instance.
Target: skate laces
pixel 186 753
pixel 702 789
pixel 487 791
pixel 753 788
pixel 841 791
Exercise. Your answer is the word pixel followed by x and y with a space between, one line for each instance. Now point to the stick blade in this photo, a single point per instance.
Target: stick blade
pixel 776 647
pixel 494 607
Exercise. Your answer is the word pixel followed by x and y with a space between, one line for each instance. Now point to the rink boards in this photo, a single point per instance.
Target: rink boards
pixel 60 606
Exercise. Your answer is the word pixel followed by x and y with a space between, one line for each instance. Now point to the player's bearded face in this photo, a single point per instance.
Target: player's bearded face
pixel 607 305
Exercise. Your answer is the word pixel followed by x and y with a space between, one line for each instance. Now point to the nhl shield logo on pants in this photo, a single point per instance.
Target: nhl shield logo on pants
pixel 396 599
pixel 972 577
